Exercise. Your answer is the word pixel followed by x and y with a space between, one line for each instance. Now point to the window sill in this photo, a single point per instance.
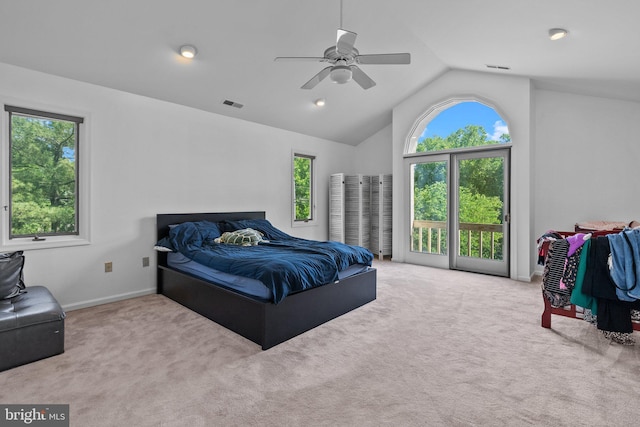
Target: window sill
pixel 28 244
pixel 297 224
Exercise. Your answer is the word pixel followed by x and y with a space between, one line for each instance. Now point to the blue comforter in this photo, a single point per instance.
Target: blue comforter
pixel 285 264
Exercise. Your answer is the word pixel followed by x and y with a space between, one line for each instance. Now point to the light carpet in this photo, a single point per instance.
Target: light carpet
pixel 437 348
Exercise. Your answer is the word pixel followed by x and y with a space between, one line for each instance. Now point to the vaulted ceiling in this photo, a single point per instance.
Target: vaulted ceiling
pixel 132 45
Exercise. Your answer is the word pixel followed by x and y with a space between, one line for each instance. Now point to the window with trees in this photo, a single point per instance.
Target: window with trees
pixel 448 129
pixel 303 188
pixel 43 174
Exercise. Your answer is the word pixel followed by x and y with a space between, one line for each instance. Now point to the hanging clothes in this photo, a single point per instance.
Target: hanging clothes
pixel 558 295
pixel 578 297
pixel 570 273
pixel 576 241
pixel 549 236
pixel 577 272
pixel 613 315
pixel 625 263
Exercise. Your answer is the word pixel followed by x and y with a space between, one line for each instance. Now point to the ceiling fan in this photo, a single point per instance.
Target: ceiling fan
pixel 344 57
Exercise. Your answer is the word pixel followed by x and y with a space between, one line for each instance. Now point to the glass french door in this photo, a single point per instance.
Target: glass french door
pixel 480 212
pixel 429 180
pixel 460 210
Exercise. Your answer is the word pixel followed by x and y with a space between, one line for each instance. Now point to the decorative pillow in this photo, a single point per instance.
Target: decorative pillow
pixel 164 245
pixel 244 237
pixel 193 233
pixel 11 278
pixel 262 225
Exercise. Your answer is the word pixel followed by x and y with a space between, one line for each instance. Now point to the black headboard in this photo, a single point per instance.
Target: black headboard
pixel 163 221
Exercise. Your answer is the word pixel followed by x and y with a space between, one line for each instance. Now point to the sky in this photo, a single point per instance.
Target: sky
pixel 69 153
pixel 466 113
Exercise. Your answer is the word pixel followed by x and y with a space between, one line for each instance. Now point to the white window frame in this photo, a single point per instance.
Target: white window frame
pixel 314 167
pixel 83 156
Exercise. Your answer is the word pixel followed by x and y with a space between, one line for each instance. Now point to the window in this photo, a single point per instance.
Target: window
pixel 458 125
pixel 42 200
pixel 303 188
pixel 458 160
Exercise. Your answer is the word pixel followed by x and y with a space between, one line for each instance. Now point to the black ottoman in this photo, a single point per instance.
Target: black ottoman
pixel 31 327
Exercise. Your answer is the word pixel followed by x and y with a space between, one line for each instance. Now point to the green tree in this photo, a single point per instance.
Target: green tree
pixel 480 177
pixel 479 208
pixel 483 176
pixel 43 176
pixel 302 187
pixel 481 185
pixel 476 175
pixel 430 202
pixel 469 136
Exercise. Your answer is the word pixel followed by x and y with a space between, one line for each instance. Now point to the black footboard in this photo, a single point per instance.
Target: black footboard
pixel 265 323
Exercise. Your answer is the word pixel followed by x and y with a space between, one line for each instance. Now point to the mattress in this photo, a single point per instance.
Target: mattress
pixel 246 286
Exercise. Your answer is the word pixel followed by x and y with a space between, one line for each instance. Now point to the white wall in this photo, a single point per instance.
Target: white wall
pixel 373 155
pixel 512 98
pixel 586 160
pixel 574 158
pixel 149 157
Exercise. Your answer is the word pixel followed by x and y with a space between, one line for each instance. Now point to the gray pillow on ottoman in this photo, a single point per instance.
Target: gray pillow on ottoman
pixel 11 279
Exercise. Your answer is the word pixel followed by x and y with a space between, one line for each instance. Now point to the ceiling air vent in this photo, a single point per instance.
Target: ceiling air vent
pixel 232 104
pixel 498 67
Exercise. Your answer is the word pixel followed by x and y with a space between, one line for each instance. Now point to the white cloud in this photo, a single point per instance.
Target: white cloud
pixel 424 133
pixel 499 128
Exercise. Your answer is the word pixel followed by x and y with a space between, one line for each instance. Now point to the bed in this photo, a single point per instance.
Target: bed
pixel 257 318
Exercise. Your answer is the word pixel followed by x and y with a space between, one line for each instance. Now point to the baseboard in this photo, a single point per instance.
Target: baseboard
pixel 106 300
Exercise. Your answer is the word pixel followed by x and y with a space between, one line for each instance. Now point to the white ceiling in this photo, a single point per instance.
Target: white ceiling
pixel 132 45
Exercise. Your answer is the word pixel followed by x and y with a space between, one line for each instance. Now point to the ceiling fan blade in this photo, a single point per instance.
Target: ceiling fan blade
pixel 384 58
pixel 300 58
pixel 361 78
pixel 317 78
pixel 346 40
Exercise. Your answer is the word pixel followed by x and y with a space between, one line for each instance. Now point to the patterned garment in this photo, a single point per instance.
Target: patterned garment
pixel 619 337
pixel 571 270
pixel 557 295
pixel 590 317
pixel 549 236
pixel 623 338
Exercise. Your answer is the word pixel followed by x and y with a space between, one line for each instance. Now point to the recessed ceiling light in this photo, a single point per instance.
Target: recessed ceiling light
pixel 557 33
pixel 320 102
pixel 188 51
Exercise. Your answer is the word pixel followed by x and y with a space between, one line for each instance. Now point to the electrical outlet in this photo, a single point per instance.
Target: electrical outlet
pixel 145 261
pixel 108 267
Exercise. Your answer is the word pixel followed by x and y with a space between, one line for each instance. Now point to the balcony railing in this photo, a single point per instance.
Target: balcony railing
pixel 478 240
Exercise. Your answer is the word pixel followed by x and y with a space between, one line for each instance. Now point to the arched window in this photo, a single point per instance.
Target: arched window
pixel 458 124
pixel 457 159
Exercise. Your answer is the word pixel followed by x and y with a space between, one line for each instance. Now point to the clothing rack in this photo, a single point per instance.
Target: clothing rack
pixel 570 310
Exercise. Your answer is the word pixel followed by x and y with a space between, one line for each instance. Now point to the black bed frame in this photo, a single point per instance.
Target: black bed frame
pixel 264 323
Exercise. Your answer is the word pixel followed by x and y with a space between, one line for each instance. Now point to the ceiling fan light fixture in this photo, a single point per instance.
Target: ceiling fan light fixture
pixel 557 33
pixel 188 51
pixel 340 74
